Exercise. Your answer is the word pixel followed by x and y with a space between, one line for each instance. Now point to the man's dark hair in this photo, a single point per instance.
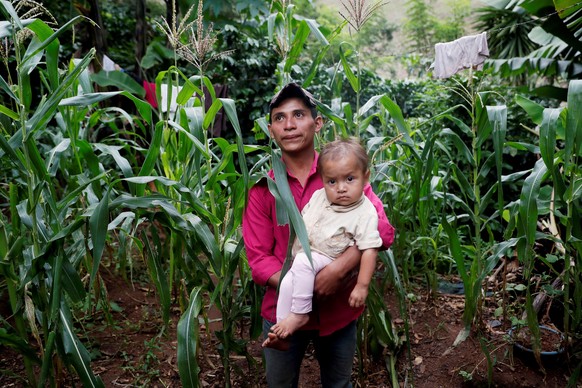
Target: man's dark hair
pixel 293 90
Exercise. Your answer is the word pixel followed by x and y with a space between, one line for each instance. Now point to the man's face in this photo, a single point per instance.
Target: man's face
pixel 293 127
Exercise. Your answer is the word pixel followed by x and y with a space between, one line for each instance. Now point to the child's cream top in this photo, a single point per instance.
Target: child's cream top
pixel 333 228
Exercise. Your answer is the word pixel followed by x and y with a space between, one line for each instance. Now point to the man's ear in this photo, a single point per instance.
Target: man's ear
pixel 318 123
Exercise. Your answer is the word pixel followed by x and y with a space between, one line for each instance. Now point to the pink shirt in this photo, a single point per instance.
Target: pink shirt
pixel 266 246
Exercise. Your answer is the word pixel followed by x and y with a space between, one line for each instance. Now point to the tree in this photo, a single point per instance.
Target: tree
pixel 556 46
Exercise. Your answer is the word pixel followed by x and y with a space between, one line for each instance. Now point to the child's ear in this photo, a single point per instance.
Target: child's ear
pixel 367 175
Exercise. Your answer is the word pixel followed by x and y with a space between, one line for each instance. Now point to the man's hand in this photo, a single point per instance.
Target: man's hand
pixel 336 275
pixel 274 280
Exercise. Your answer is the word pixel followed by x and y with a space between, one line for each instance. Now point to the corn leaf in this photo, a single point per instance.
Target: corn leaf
pixel 188 339
pixel 528 206
pixel 98 225
pixel 76 353
pixel 352 78
pixel 299 39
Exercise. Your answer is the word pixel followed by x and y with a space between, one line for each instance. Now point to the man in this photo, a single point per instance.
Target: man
pixel 293 123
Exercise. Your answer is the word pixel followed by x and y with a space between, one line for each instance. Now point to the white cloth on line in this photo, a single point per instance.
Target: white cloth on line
pixel 464 53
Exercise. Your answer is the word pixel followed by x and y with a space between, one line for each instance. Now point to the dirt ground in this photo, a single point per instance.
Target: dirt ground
pixel 130 352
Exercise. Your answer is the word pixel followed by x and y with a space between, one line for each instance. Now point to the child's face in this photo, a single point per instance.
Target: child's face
pixel 343 180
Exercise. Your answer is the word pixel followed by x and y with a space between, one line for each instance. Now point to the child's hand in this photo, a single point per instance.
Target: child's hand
pixel 358 296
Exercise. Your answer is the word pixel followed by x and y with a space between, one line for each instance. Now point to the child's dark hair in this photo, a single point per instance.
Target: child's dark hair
pixel 341 148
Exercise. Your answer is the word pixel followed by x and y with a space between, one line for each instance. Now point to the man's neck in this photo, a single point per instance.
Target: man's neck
pixel 299 165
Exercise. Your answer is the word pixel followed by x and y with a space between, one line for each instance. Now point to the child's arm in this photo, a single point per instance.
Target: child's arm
pixel 367 268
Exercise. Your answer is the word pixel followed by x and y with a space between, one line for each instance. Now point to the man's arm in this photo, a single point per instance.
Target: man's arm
pixel 339 273
pixel 259 238
pixel 274 280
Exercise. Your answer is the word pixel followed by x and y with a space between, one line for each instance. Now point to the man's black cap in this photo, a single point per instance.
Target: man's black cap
pixel 291 90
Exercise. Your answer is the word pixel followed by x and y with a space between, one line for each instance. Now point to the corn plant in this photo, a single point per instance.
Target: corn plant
pixel 560 142
pixel 52 233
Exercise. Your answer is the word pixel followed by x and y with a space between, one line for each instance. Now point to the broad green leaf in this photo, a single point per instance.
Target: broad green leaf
pixel 76 353
pixel 10 13
pixel 497 116
pixel 15 155
pixel 402 125
pixel 314 27
pixel 54 156
pixel 206 237
pixel 230 109
pixel 548 129
pixel 528 206
pixel 89 99
pixel 35 159
pixel 98 222
pixel 287 202
pixel 199 146
pixel 157 273
pixel 573 139
pixel 464 185
pixel 463 151
pixel 297 46
pixel 120 80
pixel 122 162
pixel 72 282
pixel 533 109
pixel 47 108
pixel 21 345
pixel 352 78
pixel 275 24
pixel 6 89
pixel 211 113
pixel 188 340
pixel 151 157
pixel 314 68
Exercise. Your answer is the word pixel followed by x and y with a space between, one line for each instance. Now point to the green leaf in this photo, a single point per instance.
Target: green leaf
pixel 72 282
pixel 8 112
pixel 573 140
pixel 211 113
pixel 533 109
pixel 151 156
pixel 16 342
pixel 463 151
pixel 76 353
pixel 314 27
pixel 297 46
pixel 120 80
pixel 10 13
pixel 98 226
pixel 157 273
pixel 528 206
pixel 352 78
pixel 287 202
pixel 548 129
pixel 188 339
pixel 230 109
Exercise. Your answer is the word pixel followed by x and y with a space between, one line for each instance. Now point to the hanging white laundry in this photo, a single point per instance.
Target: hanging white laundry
pixel 108 64
pixel 464 53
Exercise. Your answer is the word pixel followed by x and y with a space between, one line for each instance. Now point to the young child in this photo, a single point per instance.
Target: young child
pixel 336 217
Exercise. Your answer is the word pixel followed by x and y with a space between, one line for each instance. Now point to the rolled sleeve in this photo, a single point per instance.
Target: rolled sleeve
pixel 385 229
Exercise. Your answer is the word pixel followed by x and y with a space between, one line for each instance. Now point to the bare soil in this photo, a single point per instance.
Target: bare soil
pixel 130 351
